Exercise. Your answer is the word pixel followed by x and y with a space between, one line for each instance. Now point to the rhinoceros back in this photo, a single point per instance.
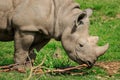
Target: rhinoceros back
pixel 52 16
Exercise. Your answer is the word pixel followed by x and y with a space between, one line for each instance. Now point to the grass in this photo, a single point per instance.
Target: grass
pixel 105 22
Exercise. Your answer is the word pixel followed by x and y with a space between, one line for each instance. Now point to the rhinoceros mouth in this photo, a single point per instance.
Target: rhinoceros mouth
pixel 80 61
pixel 90 64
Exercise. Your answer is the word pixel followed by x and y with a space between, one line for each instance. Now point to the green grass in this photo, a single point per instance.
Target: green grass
pixel 105 22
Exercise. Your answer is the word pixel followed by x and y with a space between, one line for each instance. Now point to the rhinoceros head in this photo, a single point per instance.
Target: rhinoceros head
pixel 80 46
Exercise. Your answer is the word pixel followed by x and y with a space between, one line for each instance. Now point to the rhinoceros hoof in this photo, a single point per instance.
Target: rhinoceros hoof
pixel 19 68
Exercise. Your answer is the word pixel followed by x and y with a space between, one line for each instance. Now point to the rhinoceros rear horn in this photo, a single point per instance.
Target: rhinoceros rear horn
pixel 101 50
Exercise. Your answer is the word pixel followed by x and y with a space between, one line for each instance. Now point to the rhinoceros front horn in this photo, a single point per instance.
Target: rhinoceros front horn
pixel 101 50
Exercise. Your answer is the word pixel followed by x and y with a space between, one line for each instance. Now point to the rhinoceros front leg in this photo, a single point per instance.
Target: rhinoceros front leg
pixel 23 41
pixel 37 46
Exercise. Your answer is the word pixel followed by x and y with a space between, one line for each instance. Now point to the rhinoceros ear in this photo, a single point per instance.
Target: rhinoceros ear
pixel 88 12
pixel 79 21
pixel 80 18
pixel 83 18
pixel 85 14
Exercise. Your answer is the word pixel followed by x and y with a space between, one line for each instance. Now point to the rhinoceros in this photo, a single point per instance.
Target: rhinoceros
pixel 32 23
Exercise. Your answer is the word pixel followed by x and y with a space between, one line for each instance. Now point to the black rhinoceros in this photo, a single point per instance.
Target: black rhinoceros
pixel 32 23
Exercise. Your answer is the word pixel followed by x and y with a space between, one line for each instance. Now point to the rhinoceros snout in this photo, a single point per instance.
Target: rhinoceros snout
pixel 89 63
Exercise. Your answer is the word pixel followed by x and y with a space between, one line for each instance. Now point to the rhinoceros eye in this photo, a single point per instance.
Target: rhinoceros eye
pixel 81 45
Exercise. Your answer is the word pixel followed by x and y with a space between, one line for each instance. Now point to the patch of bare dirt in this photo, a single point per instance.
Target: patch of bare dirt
pixel 107 18
pixel 110 67
pixel 118 15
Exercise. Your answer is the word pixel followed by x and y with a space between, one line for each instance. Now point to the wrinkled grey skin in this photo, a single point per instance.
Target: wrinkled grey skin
pixel 32 23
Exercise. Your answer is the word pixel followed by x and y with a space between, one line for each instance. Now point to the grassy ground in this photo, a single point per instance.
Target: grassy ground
pixel 105 22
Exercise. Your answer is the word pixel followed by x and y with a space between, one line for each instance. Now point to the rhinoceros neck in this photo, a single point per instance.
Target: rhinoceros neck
pixel 66 12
